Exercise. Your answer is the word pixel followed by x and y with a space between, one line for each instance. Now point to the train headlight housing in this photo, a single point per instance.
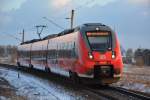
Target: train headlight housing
pixel 113 55
pixel 90 55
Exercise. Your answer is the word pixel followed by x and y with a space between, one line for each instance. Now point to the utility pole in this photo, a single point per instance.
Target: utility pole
pixel 71 19
pixel 40 32
pixel 22 35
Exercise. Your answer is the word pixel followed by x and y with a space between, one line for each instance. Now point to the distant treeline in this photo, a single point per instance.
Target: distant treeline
pixel 138 57
pixel 8 54
pixel 6 51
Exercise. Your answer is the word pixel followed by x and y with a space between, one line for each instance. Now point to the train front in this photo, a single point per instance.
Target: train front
pixel 100 54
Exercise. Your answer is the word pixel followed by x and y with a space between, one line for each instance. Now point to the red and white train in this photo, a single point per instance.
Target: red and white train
pixel 89 51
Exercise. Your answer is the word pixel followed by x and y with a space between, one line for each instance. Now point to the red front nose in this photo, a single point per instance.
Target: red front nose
pixel 102 58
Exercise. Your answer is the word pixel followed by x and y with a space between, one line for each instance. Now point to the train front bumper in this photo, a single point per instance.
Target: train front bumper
pixel 102 75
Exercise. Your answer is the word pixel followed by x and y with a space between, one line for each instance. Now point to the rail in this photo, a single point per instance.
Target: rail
pixel 109 92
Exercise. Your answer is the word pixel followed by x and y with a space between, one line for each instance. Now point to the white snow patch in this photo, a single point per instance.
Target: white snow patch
pixel 28 86
pixel 3 98
pixel 137 87
pixel 135 78
pixel 35 88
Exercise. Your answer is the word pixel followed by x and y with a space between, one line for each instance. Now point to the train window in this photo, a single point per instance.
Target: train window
pixel 65 50
pixel 73 50
pixel 99 41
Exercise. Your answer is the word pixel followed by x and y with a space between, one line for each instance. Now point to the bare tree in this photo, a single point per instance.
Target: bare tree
pixel 129 56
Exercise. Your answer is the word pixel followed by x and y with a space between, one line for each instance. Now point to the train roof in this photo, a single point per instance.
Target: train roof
pixel 50 36
pixel 67 31
pixel 94 24
pixel 90 26
pixel 31 41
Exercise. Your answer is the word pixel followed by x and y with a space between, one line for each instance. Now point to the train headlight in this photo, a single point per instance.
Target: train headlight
pixel 113 55
pixel 90 56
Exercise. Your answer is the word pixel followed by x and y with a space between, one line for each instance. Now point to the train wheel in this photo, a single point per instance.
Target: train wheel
pixel 18 65
pixel 30 66
pixel 74 77
pixel 47 70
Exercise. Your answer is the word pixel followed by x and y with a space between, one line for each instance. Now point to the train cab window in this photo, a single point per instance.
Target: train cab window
pixel 99 41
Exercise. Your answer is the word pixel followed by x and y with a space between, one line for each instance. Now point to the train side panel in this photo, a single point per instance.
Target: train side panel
pixel 39 54
pixel 24 54
pixel 62 53
pixel 117 62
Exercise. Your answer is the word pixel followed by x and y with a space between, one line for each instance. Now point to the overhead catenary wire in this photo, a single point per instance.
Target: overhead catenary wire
pixel 51 21
pixel 12 36
pixel 76 8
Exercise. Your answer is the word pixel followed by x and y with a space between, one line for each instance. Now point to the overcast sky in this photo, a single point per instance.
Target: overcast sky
pixel 129 18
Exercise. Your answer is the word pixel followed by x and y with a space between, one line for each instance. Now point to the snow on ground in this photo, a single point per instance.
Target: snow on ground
pixel 135 78
pixel 34 88
pixel 27 86
pixel 3 98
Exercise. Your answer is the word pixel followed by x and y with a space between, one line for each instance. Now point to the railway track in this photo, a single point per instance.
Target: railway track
pixel 107 92
pixel 117 93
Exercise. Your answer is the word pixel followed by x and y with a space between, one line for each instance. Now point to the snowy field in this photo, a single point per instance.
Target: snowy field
pixel 136 78
pixel 33 88
pixel 28 87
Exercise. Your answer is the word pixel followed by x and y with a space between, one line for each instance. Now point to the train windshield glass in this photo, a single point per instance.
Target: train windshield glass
pixel 99 41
